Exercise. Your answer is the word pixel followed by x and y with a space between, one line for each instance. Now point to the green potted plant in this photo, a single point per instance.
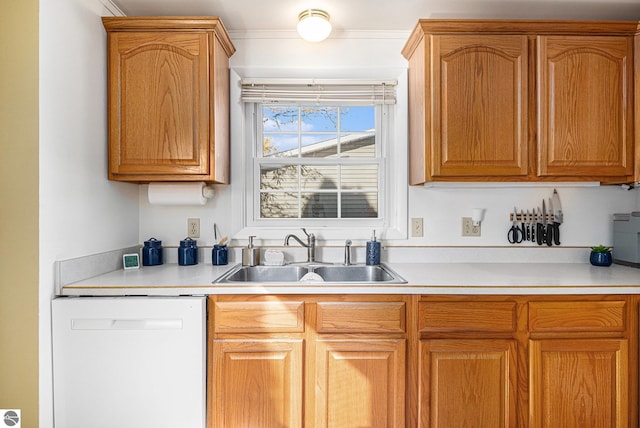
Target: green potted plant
pixel 601 256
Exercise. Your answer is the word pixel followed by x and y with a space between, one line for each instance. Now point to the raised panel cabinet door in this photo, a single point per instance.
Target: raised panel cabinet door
pixel 257 383
pixel 360 383
pixel 586 114
pixel 579 383
pixel 479 105
pixel 159 104
pixel 467 383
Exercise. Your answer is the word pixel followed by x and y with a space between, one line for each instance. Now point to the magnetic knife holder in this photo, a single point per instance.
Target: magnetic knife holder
pixel 537 218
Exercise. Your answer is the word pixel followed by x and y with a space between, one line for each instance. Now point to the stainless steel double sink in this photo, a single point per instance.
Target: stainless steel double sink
pixel 310 273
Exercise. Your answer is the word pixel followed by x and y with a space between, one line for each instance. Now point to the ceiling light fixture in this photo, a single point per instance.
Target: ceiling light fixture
pixel 314 25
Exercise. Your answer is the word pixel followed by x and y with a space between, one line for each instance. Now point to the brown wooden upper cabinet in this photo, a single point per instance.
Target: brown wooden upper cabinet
pixel 168 90
pixel 521 100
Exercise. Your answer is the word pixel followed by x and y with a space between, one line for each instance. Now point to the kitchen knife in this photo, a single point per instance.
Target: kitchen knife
pixel 557 217
pixel 532 219
pixel 539 227
pixel 549 235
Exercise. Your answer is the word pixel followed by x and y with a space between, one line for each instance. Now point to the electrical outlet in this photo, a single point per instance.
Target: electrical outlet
pixel 416 227
pixel 468 229
pixel 193 227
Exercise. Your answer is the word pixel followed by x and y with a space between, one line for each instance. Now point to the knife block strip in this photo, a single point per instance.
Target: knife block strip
pixel 524 218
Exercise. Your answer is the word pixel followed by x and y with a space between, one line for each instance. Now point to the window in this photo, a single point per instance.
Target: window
pixel 317 153
pixel 318 162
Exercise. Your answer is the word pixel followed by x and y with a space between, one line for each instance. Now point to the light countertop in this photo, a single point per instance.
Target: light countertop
pixel 422 278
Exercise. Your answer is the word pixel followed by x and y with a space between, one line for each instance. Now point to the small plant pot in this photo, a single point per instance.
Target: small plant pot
pixel 601 259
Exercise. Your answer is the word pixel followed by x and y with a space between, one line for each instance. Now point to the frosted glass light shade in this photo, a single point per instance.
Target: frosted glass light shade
pixel 314 25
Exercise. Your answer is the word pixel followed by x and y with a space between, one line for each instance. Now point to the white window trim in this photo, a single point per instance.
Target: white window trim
pixel 394 181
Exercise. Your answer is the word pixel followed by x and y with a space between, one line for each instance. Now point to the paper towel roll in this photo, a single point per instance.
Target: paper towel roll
pixel 179 193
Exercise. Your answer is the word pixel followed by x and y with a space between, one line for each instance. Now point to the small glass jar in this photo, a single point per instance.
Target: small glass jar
pixel 188 252
pixel 219 255
pixel 152 252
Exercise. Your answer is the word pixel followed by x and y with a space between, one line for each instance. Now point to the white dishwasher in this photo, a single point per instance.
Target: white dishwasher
pixel 129 362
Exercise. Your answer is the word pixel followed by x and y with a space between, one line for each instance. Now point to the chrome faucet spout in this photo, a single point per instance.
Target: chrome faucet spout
pixel 286 240
pixel 310 245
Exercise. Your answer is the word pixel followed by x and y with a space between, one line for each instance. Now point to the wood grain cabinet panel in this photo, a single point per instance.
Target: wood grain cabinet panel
pixel 579 383
pixel 479 105
pixel 468 316
pixel 577 316
pixel 259 317
pixel 361 317
pixel 168 95
pixel 258 383
pixel 468 383
pixel 586 106
pixel 360 383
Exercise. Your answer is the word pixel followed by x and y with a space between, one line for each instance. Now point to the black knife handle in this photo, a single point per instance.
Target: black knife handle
pixel 549 235
pixel 533 233
pixel 556 233
pixel 539 233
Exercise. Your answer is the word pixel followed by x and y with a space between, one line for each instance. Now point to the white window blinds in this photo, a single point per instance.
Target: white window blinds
pixel 305 91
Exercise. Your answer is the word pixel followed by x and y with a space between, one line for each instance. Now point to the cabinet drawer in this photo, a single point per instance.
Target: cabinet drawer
pixel 259 317
pixel 450 317
pixel 575 316
pixel 361 317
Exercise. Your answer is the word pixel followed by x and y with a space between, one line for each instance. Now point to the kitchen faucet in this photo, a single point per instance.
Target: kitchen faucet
pixel 347 252
pixel 310 245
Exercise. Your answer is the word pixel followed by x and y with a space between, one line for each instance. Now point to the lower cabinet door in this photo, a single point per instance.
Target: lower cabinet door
pixel 467 383
pixel 579 383
pixel 257 383
pixel 360 383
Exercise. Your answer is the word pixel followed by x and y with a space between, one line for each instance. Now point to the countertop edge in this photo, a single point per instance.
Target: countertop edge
pixel 422 278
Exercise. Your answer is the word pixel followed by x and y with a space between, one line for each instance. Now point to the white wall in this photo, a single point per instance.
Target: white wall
pixel 81 212
pixel 368 54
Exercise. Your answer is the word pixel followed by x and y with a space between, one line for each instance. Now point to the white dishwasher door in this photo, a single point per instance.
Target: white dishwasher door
pixel 129 362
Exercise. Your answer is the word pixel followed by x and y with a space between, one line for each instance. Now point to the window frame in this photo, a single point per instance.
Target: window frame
pixel 395 226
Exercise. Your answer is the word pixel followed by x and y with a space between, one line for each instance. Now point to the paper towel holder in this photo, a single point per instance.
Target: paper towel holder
pixel 207 192
pixel 179 193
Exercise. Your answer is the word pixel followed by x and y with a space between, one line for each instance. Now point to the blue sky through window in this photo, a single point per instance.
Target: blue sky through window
pixel 283 125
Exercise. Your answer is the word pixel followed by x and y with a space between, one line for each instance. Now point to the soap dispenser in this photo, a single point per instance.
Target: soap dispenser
pixel 373 251
pixel 250 254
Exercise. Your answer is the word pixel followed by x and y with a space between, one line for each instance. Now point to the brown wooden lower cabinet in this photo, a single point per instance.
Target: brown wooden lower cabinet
pixel 423 361
pixel 579 383
pixel 258 383
pixel 464 380
pixel 360 383
pixel 307 361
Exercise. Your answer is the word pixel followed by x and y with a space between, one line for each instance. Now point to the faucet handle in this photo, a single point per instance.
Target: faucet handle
pixel 305 232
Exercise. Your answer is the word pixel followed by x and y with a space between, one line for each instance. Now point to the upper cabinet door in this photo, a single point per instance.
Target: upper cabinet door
pixel 585 119
pixel 168 86
pixel 479 105
pixel 159 112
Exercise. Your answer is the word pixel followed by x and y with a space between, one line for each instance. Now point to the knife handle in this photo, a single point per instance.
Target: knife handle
pixel 533 233
pixel 556 233
pixel 549 235
pixel 539 229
